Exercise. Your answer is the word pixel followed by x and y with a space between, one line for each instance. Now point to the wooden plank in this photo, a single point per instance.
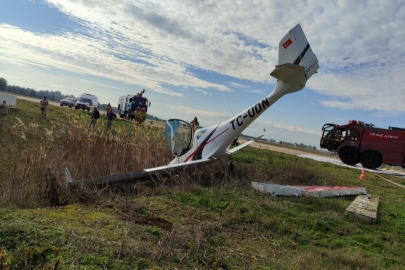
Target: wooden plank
pixel 364 207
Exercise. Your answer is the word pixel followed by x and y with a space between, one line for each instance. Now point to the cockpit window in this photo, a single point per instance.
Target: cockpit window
pixel 178 136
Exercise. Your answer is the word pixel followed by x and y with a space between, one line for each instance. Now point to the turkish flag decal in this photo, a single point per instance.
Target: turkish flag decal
pixel 287 43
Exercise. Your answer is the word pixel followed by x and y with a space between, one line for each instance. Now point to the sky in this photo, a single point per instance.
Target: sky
pixel 212 59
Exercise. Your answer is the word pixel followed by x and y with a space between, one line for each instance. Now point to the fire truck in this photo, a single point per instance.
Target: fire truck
pixel 127 105
pixel 360 142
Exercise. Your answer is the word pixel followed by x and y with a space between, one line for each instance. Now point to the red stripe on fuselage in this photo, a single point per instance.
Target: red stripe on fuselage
pixel 202 146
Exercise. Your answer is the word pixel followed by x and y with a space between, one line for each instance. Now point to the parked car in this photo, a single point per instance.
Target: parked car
pixel 68 102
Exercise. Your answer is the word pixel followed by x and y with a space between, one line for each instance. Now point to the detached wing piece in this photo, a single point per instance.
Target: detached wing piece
pixel 132 176
pixel 233 150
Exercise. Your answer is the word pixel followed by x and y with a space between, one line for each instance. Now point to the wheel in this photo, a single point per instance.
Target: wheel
pixel 75 108
pixel 371 160
pixel 83 109
pixel 349 156
pixel 88 109
pixel 61 105
pixel 70 106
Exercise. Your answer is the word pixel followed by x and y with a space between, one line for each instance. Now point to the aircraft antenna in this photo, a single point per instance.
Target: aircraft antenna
pixel 230 108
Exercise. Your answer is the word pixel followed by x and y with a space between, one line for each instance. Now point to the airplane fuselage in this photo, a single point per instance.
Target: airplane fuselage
pixel 214 142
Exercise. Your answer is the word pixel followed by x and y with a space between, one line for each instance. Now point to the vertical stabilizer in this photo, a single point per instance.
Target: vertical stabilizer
pixel 295 49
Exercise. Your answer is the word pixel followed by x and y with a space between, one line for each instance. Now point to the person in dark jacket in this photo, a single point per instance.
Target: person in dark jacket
pixel 94 117
pixel 110 117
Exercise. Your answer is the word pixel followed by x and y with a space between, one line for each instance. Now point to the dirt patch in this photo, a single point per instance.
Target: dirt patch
pixel 155 222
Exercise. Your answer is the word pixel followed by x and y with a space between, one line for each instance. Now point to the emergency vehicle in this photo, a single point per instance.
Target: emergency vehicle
pixel 86 102
pixel 360 142
pixel 127 105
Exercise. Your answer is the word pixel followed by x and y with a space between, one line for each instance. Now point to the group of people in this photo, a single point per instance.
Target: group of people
pixel 140 115
pixel 4 111
pixel 96 115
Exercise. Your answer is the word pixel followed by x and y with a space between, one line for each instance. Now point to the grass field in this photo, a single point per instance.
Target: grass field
pixel 206 219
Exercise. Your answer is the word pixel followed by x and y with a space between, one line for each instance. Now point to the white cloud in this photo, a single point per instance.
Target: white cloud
pixel 255 91
pixel 288 127
pixel 234 84
pixel 154 43
pixel 192 111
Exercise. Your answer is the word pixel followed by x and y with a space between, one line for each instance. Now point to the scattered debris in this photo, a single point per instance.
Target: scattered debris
pixel 308 191
pixel 277 190
pixel 364 207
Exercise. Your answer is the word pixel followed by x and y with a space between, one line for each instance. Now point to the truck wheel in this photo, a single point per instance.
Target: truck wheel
pixel 61 105
pixel 75 108
pixel 349 156
pixel 70 106
pixel 371 160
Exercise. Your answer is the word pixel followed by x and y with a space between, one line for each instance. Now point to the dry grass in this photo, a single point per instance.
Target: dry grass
pixel 28 177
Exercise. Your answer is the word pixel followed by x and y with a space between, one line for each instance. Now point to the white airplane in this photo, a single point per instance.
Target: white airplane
pixel 296 64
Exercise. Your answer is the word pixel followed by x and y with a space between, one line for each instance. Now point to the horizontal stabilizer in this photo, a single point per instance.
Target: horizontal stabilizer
pixel 233 150
pixel 285 71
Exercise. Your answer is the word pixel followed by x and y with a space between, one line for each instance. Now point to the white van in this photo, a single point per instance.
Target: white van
pixel 86 102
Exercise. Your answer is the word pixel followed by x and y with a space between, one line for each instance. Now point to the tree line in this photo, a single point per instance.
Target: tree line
pixel 30 92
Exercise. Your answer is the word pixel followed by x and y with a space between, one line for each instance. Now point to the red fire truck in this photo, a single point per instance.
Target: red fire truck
pixel 364 143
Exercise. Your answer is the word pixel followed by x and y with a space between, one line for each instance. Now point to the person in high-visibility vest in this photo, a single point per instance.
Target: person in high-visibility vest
pixel 109 108
pixel 195 124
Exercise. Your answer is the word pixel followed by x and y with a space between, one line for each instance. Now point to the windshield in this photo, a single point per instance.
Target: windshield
pixel 85 100
pixel 139 101
pixel 178 136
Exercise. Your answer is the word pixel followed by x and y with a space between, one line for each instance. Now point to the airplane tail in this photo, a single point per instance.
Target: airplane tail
pixel 295 49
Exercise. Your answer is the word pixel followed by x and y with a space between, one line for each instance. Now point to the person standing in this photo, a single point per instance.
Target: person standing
pixel 110 117
pixel 4 110
pixel 109 108
pixel 44 103
pixel 195 124
pixel 94 117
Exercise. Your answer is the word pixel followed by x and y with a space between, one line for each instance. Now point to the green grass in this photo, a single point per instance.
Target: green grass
pixel 202 220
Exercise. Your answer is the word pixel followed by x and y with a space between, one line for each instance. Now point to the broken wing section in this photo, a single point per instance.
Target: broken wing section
pixel 132 176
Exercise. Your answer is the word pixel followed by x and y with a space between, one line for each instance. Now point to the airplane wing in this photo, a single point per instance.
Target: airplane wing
pixel 133 175
pixel 233 150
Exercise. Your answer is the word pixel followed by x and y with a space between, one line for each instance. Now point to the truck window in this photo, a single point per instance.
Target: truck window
pixel 353 135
